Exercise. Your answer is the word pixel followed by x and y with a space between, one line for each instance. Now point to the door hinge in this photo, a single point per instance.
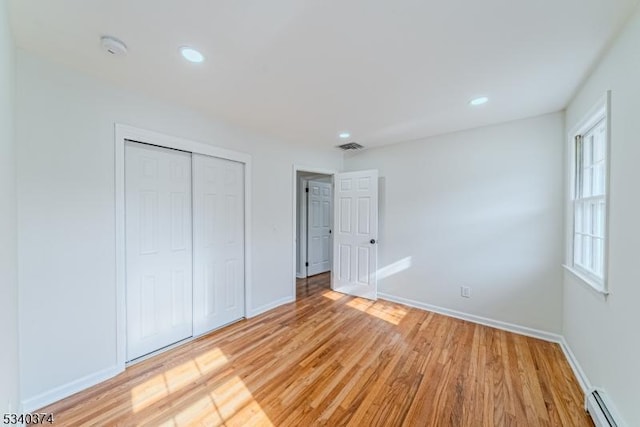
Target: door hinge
pixel 329 231
pixel 306 189
pixel 306 264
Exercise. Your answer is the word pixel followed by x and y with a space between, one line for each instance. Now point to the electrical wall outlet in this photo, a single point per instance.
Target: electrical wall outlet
pixel 465 291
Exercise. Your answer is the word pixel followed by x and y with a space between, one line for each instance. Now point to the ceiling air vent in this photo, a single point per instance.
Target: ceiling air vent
pixel 350 146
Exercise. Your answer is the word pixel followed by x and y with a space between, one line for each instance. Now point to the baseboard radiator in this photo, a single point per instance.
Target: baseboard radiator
pixel 598 407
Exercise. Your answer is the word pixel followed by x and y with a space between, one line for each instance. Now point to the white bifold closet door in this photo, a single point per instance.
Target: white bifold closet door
pixel 218 276
pixel 158 221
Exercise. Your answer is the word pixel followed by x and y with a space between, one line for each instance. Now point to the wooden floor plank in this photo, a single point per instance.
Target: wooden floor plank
pixel 331 359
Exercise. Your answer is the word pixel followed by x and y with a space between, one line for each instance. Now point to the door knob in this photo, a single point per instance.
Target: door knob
pixel 372 241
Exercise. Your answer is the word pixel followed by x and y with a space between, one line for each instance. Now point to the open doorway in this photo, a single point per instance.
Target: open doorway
pixel 352 269
pixel 314 225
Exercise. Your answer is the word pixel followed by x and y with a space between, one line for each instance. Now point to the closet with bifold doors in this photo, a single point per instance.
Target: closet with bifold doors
pixel 184 245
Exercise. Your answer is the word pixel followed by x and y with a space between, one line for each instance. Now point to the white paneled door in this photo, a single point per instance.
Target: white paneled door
pixel 355 248
pixel 218 242
pixel 319 227
pixel 158 221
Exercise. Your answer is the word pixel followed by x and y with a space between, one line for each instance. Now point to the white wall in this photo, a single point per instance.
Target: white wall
pixel 603 334
pixel 480 208
pixel 65 134
pixel 8 225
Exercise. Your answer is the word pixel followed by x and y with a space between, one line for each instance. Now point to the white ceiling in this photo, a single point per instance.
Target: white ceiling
pixel 304 70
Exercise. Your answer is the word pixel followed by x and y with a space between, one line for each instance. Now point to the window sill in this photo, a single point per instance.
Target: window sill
pixel 585 280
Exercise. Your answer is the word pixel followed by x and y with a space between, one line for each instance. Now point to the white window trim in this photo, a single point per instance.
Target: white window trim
pixel 601 109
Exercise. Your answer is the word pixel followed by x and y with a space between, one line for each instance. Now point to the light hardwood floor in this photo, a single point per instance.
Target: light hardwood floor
pixel 330 359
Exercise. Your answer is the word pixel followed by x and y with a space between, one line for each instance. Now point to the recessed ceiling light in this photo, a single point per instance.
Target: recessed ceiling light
pixel 479 101
pixel 344 135
pixel 191 55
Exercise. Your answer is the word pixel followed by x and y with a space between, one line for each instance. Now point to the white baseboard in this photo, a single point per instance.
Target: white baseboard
pixel 300 276
pixel 498 324
pixel 48 397
pixel 257 311
pixel 584 382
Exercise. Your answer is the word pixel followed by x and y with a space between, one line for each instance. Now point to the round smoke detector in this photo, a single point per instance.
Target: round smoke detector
pixel 113 46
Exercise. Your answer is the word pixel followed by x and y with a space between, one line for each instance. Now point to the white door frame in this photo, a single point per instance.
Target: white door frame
pixel 296 169
pixel 303 202
pixel 302 225
pixel 125 132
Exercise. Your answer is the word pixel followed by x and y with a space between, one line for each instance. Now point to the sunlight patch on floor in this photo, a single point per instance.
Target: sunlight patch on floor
pixel 360 304
pixel 201 412
pixel 378 309
pixel 333 295
pixel 211 360
pixel 148 393
pixel 387 313
pixel 229 404
pixel 176 378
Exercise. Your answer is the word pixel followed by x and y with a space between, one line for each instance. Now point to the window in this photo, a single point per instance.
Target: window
pixel 590 146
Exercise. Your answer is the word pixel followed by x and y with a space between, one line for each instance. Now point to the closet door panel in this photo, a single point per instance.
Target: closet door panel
pixel 218 212
pixel 158 221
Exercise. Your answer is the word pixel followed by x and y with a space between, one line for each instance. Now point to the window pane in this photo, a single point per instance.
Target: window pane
pixel 586 252
pixel 577 219
pixel 599 257
pixel 598 179
pixel 594 255
pixel 587 218
pixel 601 219
pixel 577 249
pixel 587 181
pixel 587 147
